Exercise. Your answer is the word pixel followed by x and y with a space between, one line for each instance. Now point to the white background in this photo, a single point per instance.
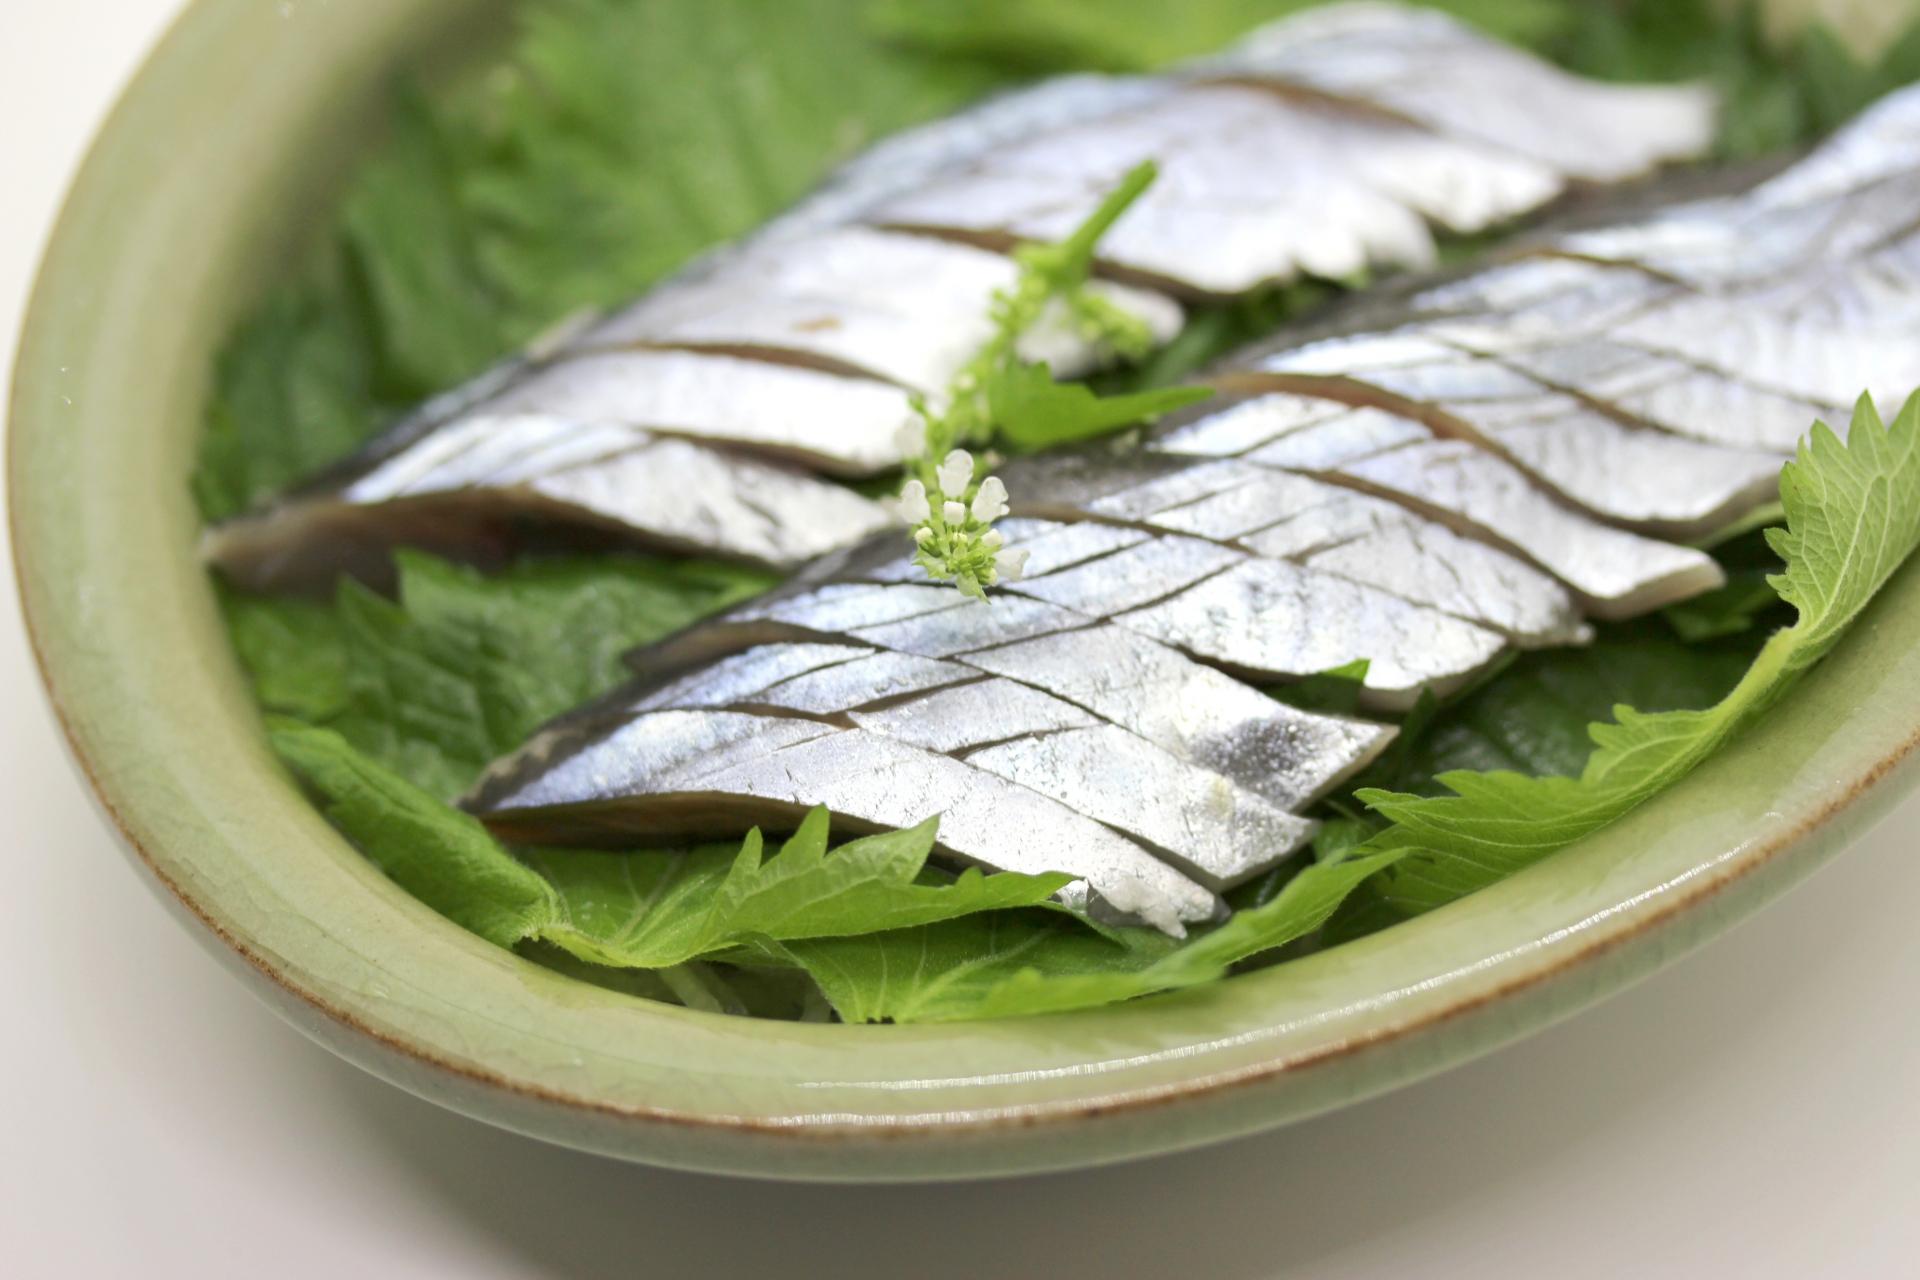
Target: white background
pixel 1752 1112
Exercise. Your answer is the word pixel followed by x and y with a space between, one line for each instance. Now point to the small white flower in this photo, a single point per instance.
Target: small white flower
pixel 911 438
pixel 1011 564
pixel 913 503
pixel 991 502
pixel 954 514
pixel 923 535
pixel 956 473
pixel 991 540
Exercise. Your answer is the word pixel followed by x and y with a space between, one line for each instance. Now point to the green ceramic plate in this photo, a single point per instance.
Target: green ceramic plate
pixel 192 195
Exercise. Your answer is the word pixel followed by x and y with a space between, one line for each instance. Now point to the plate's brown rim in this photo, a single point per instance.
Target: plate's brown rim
pixel 952 1124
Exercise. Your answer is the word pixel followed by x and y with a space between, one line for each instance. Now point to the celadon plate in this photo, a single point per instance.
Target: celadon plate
pixel 192 198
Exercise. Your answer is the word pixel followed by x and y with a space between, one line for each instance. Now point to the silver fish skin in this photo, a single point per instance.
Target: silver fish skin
pixel 619 483
pixel 1674 395
pixel 1195 712
pixel 1177 763
pixel 1432 69
pixel 1385 113
pixel 1227 214
pixel 1655 481
pixel 1197 821
pixel 701 772
pixel 908 309
pixel 1270 619
pixel 1238 511
pixel 1879 143
pixel 840 425
pixel 1613 573
pixel 1211 829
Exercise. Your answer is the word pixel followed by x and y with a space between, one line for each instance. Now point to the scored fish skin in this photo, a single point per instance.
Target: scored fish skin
pixel 1615 574
pixel 1253 189
pixel 1417 493
pixel 1325 529
pixel 1269 619
pixel 1391 118
pixel 1195 712
pixel 671 773
pixel 1655 481
pixel 1673 394
pixel 1274 620
pixel 1199 822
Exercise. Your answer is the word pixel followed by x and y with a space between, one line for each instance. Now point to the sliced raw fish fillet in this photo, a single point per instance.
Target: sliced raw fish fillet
pixel 1430 68
pixel 843 425
pixel 1253 189
pixel 1219 428
pixel 1881 142
pixel 916 157
pixel 1273 620
pixel 1653 480
pixel 1675 395
pixel 1215 832
pixel 921 619
pixel 615 485
pixel 1196 712
pixel 700 772
pixel 910 309
pixel 1133 578
pixel 1615 574
pixel 968 717
pixel 1794 358
pixel 1427 563
pixel 1328 528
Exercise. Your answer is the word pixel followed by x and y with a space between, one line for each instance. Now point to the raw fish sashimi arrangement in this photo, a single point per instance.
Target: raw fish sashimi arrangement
pixel 1410 489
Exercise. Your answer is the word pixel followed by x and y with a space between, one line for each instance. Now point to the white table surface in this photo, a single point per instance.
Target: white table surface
pixel 1751 1112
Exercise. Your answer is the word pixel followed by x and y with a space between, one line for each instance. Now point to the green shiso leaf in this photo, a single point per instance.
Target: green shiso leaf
pixel 647 910
pixel 1032 411
pixel 293 391
pixel 464 666
pixel 412 255
pixel 631 136
pixel 1136 35
pixel 1533 717
pixel 440 855
pixel 1853 516
pixel 1016 963
pixel 293 649
pixel 650 911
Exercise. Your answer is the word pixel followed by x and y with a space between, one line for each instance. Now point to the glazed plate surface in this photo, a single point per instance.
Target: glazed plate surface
pixel 193 196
